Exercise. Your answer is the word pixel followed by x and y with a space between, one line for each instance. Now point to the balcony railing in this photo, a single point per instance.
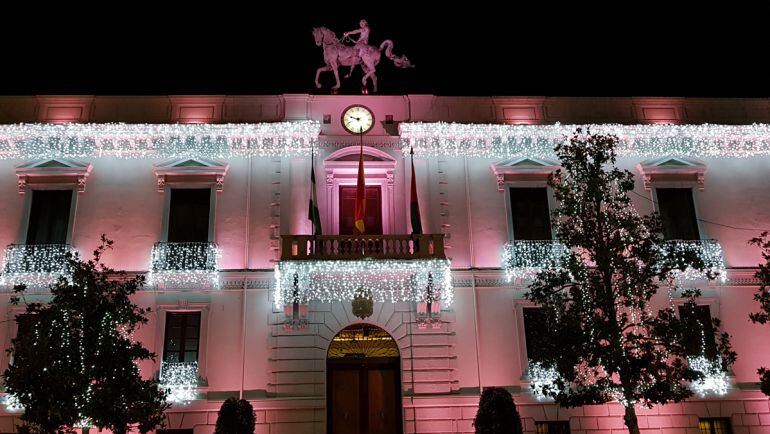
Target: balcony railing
pixel 525 258
pixel 34 264
pixel 180 379
pixel 179 264
pixel 427 246
pixel 708 251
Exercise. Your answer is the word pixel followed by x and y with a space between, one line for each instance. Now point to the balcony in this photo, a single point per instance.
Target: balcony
pixel 35 265
pixel 709 251
pixel 336 267
pixel 180 380
pixel 525 258
pixel 184 264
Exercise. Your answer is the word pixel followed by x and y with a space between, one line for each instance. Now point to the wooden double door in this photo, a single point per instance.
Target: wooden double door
pixel 363 396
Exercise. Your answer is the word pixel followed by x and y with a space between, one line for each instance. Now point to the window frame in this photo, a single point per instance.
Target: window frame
pixel 549 422
pixel 160 330
pixel 656 205
pixel 188 185
pixel 184 336
pixel 727 420
pixel 711 301
pixel 550 200
pixel 519 304
pixel 28 197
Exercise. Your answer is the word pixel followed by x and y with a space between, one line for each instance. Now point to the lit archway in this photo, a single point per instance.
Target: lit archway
pixel 363 382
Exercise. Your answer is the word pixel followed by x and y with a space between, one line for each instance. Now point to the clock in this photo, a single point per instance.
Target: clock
pixel 357 119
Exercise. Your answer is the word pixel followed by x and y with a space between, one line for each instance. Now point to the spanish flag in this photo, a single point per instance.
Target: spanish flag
pixel 360 195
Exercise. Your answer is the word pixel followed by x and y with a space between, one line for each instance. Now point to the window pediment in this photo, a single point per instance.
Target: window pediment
pixel 54 171
pixel 191 170
pixel 523 169
pixel 672 170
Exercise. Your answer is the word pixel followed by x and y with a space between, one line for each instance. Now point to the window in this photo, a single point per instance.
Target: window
pixel 553 427
pixel 182 337
pixel 678 214
pixel 49 217
pixel 534 319
pixel 188 216
pixel 530 213
pixel 715 425
pixel 373 220
pixel 694 341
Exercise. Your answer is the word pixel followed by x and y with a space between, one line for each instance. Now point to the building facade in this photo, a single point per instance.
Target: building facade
pixel 388 332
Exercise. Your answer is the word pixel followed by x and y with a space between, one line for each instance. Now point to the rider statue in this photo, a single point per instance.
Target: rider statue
pixel 363 38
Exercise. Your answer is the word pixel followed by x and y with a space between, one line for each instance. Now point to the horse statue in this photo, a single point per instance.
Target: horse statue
pixel 337 54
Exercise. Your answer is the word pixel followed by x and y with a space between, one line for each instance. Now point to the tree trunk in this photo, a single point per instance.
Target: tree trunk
pixel 630 419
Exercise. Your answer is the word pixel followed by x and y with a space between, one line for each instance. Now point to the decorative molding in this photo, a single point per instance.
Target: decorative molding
pixel 672 169
pixel 522 169
pixel 53 171
pixel 197 109
pixel 64 109
pixel 191 170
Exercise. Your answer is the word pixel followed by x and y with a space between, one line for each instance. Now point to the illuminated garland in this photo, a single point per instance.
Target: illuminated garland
pixel 388 280
pixel 182 264
pixel 525 258
pixel 542 379
pixel 538 141
pixel 35 265
pixel 714 379
pixel 709 251
pixel 30 141
pixel 12 403
pixel 180 379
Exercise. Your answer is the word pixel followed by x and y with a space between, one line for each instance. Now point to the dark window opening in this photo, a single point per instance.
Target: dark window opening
pixel 552 427
pixel 531 216
pixel 49 217
pixel 373 220
pixel 677 211
pixel 182 337
pixel 188 216
pixel 715 425
pixel 534 321
pixel 695 339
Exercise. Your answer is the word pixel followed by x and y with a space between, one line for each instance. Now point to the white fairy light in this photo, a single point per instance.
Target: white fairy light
pixel 31 141
pixel 709 251
pixel 525 258
pixel 388 280
pixel 180 379
pixel 538 141
pixel 12 403
pixel 35 265
pixel 714 381
pixel 182 264
pixel 541 378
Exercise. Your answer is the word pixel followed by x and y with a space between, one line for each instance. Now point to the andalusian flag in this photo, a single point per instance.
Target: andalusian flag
pixel 312 213
pixel 360 195
pixel 414 205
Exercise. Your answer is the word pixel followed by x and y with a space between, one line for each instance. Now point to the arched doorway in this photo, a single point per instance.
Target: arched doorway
pixel 363 382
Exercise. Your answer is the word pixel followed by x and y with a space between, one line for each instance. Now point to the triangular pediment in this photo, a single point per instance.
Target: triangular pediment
pixel 190 162
pixel 53 163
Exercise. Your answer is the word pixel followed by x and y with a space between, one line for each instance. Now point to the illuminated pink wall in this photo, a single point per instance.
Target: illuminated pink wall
pixel 481 343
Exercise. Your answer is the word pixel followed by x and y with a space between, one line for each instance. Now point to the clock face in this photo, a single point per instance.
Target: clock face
pixel 357 119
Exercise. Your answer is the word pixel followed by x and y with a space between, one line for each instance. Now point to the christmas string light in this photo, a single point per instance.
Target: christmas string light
pixel 182 264
pixel 12 403
pixel 180 379
pixel 388 280
pixel 538 141
pixel 714 379
pixel 709 251
pixel 525 258
pixel 541 379
pixel 31 141
pixel 35 265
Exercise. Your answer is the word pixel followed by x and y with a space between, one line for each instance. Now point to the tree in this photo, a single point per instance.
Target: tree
pixel 497 413
pixel 78 364
pixel 762 296
pixel 236 416
pixel 602 338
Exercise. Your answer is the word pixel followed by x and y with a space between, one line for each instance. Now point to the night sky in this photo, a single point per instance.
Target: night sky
pixel 470 50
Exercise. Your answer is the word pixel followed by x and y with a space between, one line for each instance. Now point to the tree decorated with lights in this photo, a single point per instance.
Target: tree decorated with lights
pixel 762 296
pixel 602 341
pixel 77 366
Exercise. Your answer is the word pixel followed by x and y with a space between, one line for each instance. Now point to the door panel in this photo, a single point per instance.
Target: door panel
pixel 373 220
pixel 382 402
pixel 344 401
